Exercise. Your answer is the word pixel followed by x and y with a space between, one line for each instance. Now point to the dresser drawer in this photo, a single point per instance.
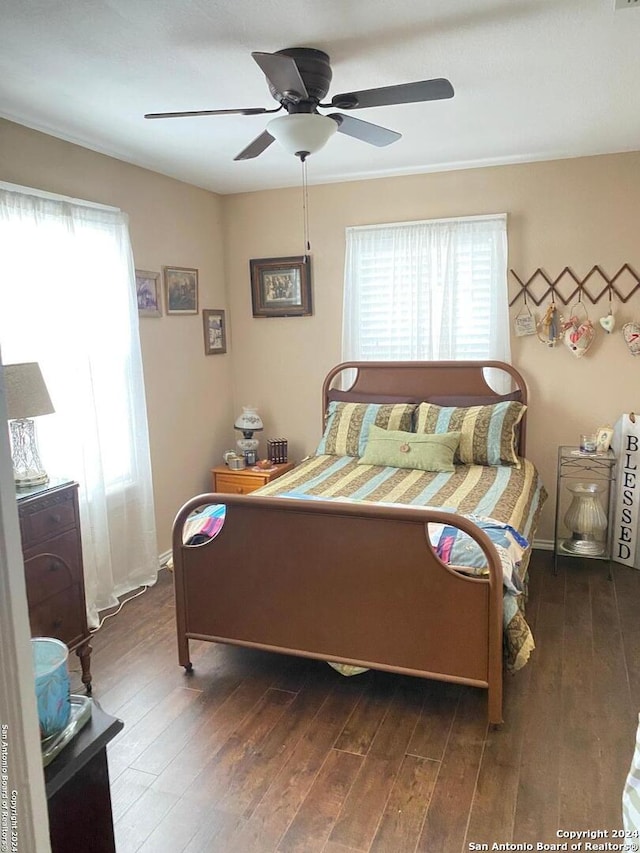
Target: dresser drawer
pixel 60 616
pixel 52 567
pixel 236 486
pixel 58 515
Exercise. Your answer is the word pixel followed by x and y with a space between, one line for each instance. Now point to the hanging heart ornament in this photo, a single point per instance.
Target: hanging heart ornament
pixel 631 334
pixel 608 323
pixel 577 333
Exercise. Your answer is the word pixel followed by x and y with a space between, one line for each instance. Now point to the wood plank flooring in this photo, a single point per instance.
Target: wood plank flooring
pixel 260 753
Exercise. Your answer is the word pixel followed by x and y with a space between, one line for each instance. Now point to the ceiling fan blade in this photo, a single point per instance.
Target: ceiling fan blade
pixel 250 111
pixel 282 72
pixel 253 149
pixel 374 134
pixel 405 93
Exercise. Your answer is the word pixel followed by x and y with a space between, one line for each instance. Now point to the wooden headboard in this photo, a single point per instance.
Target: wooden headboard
pixel 445 383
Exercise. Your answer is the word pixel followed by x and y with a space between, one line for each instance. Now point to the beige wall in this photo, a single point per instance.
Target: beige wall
pixel 171 223
pixel 574 213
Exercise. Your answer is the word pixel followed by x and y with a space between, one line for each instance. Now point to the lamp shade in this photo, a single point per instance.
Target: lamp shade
pixel 249 420
pixel 302 132
pixel 27 395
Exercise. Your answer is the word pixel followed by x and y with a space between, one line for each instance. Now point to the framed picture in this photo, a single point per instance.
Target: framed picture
pixel 181 290
pixel 603 439
pixel 281 287
pixel 148 293
pixel 215 332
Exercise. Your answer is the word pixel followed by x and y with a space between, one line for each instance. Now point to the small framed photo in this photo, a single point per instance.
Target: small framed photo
pixel 603 439
pixel 215 332
pixel 148 293
pixel 180 290
pixel 281 287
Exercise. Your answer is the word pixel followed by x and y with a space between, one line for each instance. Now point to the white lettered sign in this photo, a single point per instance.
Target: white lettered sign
pixel 626 445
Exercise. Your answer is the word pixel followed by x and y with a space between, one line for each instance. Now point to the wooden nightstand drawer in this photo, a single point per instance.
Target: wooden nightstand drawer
pixel 52 570
pixel 246 480
pixel 234 485
pixel 57 515
pixel 59 616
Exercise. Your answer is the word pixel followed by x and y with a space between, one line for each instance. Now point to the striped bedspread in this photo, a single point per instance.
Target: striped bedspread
pixel 512 497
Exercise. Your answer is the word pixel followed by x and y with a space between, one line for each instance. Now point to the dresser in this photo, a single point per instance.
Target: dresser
pixel 52 550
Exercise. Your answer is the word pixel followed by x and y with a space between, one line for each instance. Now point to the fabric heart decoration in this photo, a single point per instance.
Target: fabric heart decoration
pixel 631 334
pixel 608 323
pixel 578 335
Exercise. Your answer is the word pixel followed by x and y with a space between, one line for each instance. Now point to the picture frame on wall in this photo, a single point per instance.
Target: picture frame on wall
pixel 181 290
pixel 148 293
pixel 215 331
pixel 281 287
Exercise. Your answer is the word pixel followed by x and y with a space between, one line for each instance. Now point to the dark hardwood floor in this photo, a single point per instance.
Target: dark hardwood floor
pixel 260 752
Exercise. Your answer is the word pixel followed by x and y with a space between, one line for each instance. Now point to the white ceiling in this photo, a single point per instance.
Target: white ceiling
pixel 534 80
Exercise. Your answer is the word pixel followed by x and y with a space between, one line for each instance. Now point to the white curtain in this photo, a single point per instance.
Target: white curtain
pixel 427 290
pixel 68 301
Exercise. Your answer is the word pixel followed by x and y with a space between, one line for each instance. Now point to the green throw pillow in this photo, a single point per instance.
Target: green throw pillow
pixel 396 449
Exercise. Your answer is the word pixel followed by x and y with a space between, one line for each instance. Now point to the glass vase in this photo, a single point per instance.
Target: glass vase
pixel 587 520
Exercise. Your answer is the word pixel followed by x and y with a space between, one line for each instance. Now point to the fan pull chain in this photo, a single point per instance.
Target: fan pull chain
pixel 305 206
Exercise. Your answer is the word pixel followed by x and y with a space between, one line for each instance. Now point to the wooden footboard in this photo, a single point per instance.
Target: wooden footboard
pixel 357 584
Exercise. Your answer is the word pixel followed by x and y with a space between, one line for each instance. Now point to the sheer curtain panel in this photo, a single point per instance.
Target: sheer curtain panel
pixel 427 290
pixel 67 301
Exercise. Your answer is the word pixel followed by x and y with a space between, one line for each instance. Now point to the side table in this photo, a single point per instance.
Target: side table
pixel 77 787
pixel 584 504
pixel 245 480
pixel 53 570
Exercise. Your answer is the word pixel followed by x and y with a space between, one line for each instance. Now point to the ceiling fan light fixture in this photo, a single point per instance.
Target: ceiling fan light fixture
pixel 302 133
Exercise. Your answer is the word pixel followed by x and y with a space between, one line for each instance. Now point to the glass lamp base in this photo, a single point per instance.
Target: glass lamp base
pixel 23 482
pixel 27 468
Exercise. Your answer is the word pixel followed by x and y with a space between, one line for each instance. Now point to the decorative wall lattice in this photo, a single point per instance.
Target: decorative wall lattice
pixel 568 287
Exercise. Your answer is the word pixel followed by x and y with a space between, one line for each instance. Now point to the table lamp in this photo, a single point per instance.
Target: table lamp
pixel 248 423
pixel 27 398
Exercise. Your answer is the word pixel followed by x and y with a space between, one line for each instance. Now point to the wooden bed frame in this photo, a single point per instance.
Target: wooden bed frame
pixel 315 578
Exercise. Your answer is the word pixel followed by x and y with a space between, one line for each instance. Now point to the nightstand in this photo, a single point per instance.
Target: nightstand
pixel 77 785
pixel 54 577
pixel 245 480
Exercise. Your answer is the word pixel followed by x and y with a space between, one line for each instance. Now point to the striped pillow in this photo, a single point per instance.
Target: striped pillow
pixel 347 428
pixel 488 432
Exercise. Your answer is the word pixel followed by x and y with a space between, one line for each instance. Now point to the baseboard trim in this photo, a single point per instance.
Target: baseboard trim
pixel 164 559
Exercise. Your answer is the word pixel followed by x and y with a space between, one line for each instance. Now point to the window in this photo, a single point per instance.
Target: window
pixel 427 290
pixel 68 302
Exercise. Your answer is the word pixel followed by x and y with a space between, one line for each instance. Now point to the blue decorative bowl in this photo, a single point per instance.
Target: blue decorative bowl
pixel 52 684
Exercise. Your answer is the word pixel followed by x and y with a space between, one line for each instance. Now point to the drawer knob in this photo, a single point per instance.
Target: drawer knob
pixel 55 517
pixel 54 565
pixel 56 624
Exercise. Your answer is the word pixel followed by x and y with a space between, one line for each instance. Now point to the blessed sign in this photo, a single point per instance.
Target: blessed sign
pixel 626 444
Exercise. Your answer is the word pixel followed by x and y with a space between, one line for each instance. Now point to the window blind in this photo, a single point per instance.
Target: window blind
pixel 427 290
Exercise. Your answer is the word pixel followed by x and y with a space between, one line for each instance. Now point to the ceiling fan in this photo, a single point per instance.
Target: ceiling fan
pixel 299 78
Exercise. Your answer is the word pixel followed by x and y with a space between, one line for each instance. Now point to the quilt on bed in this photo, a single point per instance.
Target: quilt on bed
pixel 505 501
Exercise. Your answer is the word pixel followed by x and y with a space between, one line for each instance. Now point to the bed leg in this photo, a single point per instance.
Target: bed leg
pixel 183 654
pixel 495 705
